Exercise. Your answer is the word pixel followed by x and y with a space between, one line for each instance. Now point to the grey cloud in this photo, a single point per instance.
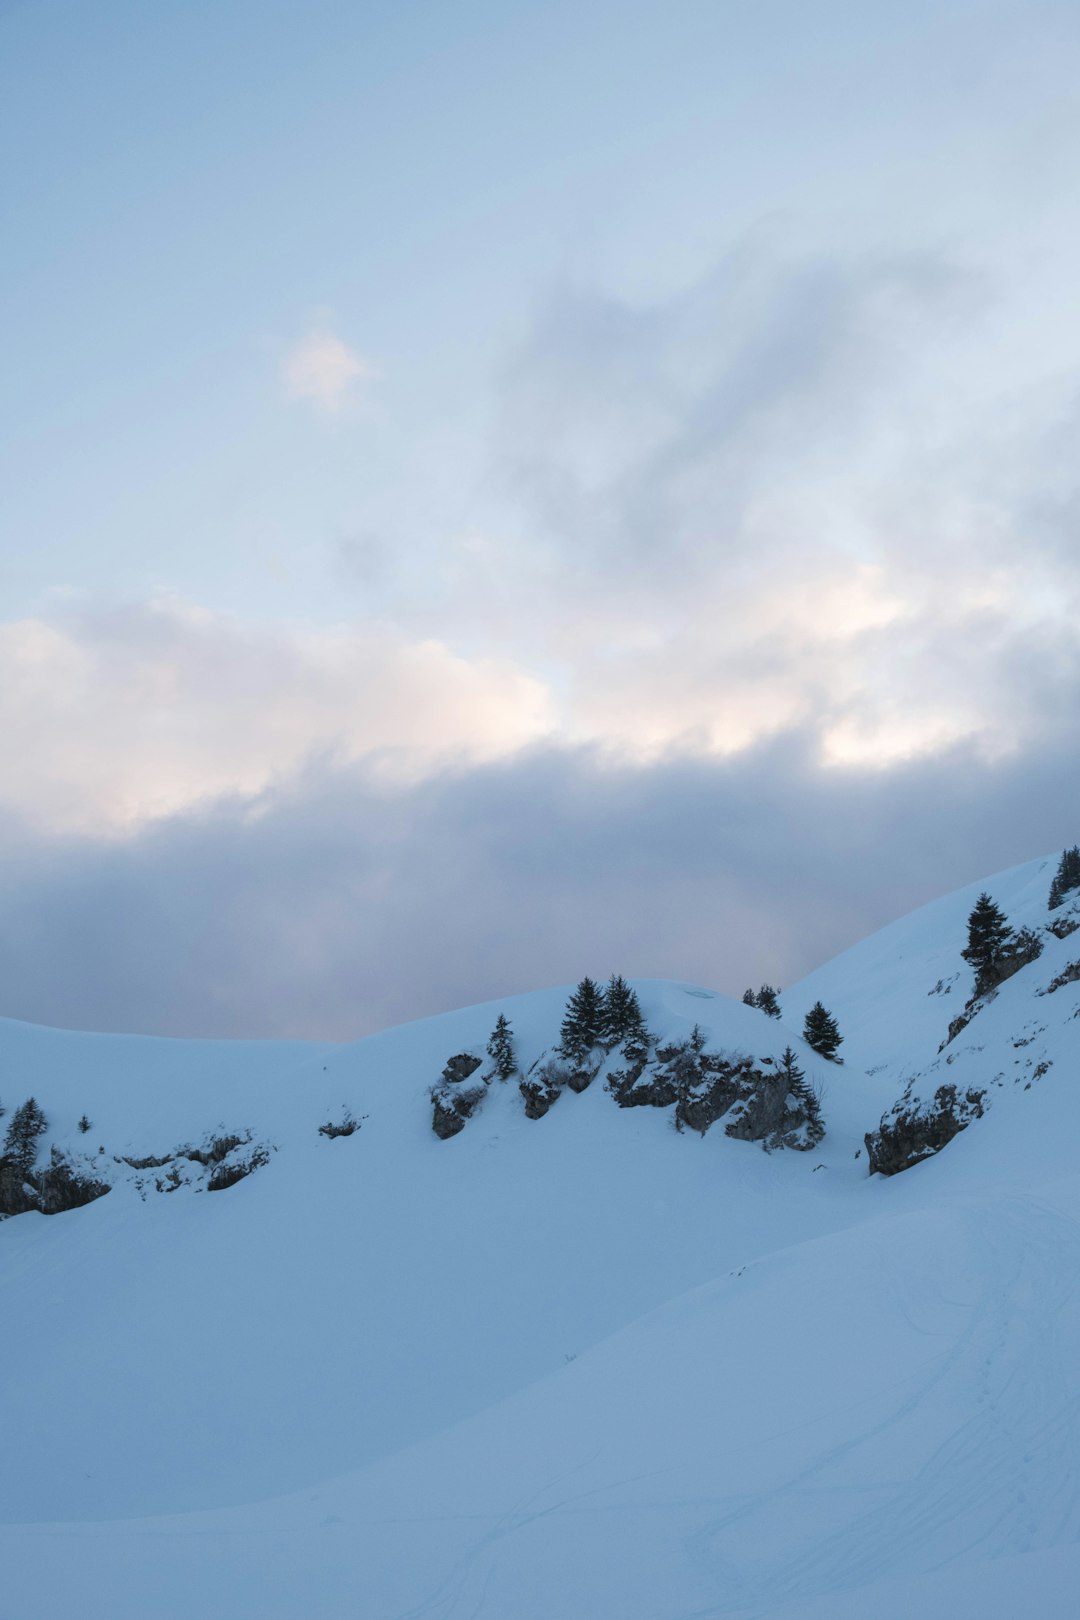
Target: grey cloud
pixel 646 431
pixel 334 905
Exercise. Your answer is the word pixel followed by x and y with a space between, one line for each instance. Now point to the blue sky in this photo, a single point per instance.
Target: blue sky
pixel 394 395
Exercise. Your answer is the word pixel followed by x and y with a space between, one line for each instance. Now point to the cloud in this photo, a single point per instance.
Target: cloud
pixel 322 369
pixel 814 490
pixel 336 902
pixel 117 716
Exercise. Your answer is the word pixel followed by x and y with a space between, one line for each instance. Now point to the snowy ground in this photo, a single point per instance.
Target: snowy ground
pixel 576 1367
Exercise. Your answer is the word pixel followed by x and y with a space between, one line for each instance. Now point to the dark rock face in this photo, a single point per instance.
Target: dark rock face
pixel 582 1076
pixel 51 1191
pixel 452 1107
pixel 460 1068
pixel 704 1087
pixel 344 1127
pixel 61 1186
pixel 452 1100
pixel 541 1090
pixel 227 1175
pixel 912 1134
pixel 1025 947
pixel 1062 927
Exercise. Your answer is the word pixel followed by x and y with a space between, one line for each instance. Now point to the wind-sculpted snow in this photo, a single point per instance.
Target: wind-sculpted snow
pixel 574 1366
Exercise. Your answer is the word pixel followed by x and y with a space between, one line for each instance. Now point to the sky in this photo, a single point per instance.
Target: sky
pixel 497 492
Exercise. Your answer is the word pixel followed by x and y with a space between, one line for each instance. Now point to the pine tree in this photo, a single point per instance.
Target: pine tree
pixel 788 1069
pixel 20 1145
pixel 989 936
pixel 500 1048
pixel 623 1018
pixel 767 1000
pixel 749 998
pixel 821 1031
pixel 583 1024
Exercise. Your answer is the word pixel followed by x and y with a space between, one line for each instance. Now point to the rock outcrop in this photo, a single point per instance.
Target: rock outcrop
pixel 918 1131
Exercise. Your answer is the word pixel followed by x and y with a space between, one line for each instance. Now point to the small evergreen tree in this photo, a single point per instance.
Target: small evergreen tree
pixel 583 1024
pixel 500 1048
pixel 767 1000
pixel 989 936
pixel 749 998
pixel 788 1069
pixel 821 1031
pixel 28 1122
pixel 84 1124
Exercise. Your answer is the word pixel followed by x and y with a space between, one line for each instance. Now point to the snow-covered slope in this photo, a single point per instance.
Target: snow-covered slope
pixel 576 1366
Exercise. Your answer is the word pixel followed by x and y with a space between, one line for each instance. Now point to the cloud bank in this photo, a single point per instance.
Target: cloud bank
pixel 336 902
pixel 767 628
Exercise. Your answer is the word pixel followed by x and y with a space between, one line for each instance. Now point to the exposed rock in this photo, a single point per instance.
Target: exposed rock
pixel 346 1126
pixel 708 1086
pixel 541 1088
pixel 215 1150
pixel 227 1175
pixel 460 1068
pixel 60 1186
pixel 581 1076
pixel 1062 927
pixel 63 1186
pixel 452 1107
pixel 1024 947
pixel 915 1133
pixel 1068 975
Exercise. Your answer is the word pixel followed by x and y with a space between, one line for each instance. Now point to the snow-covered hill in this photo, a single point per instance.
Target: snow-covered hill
pixel 581 1365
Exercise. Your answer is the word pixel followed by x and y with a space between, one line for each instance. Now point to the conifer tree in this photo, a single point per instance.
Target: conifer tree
pixel 821 1031
pixel 500 1048
pixel 797 1086
pixel 622 1012
pixel 989 937
pixel 749 998
pixel 767 1000
pixel 583 1023
pixel 28 1122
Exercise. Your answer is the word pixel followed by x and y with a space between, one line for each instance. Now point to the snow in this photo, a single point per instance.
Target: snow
pixel 575 1367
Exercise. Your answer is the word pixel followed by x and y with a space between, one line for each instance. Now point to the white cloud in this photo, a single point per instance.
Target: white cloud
pixel 322 369
pixel 118 718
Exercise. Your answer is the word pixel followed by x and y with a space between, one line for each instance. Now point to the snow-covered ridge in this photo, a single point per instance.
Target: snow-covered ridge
pixel 571 1365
